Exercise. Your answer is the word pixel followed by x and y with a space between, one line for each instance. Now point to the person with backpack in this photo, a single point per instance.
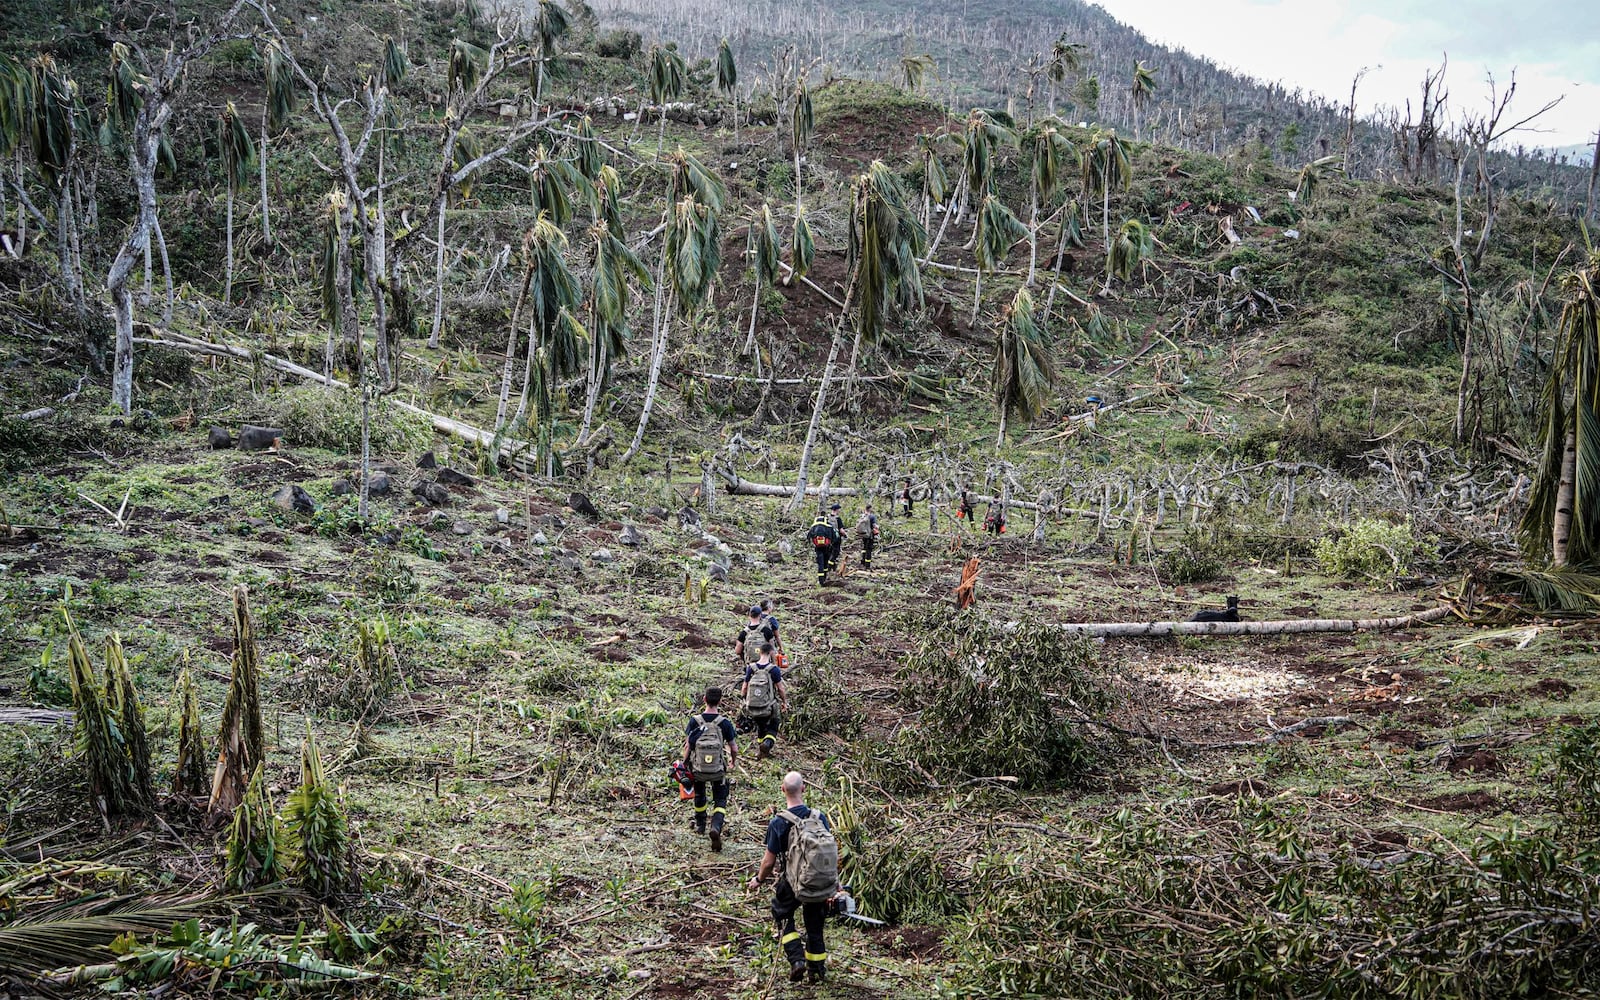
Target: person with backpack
pixel 710 752
pixel 765 699
pixel 994 521
pixel 803 851
pixel 747 648
pixel 867 531
pixel 822 537
pixel 967 509
pixel 905 498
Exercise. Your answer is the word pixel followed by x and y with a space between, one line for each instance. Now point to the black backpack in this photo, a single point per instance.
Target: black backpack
pixel 709 757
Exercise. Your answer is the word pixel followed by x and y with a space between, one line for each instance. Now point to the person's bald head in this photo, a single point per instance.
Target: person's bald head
pixel 794 786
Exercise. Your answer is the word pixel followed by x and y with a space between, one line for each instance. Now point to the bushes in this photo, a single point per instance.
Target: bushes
pixel 819 703
pixel 322 418
pixel 1577 773
pixel 1196 559
pixel 997 702
pixel 1374 550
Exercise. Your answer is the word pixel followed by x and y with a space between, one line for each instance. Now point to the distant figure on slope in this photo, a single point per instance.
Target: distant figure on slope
pixel 905 499
pixel 867 531
pixel 994 521
pixel 836 521
pixel 822 536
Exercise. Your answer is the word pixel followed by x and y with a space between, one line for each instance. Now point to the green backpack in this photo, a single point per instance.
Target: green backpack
pixel 709 761
pixel 760 700
pixel 811 862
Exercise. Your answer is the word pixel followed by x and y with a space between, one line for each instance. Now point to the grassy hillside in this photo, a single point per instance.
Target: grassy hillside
pixel 497 683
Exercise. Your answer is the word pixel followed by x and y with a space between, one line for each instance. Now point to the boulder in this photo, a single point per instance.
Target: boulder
pixel 451 477
pixel 630 536
pixel 602 556
pixel 718 572
pixel 581 504
pixel 253 438
pixel 295 500
pixel 341 488
pixel 687 518
pixel 219 438
pixel 502 516
pixel 427 461
pixel 378 484
pixel 432 493
pixel 656 514
pixel 461 528
pixel 539 539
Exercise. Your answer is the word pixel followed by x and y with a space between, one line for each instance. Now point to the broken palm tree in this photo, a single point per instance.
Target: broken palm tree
pixel 242 744
pixel 189 777
pixel 967 591
pixel 110 727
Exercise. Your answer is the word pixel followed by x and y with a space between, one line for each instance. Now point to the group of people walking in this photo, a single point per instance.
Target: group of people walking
pixel 826 536
pixel 799 849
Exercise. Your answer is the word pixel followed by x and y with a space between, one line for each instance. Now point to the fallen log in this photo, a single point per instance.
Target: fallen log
pixel 1133 630
pixel 33 716
pixel 745 488
pixel 512 452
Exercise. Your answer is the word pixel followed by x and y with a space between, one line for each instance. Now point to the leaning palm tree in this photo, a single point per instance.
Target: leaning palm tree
pixel 281 99
pixel 1105 165
pixel 238 156
pixel 802 249
pixel 1562 523
pixel 52 119
pixel 885 240
pixel 612 267
pixel 728 80
pixel 1047 150
pixel 1066 59
pixel 935 182
pixel 668 77
pixel 691 255
pixel 1143 85
pixel 802 121
pixel 761 251
pixel 981 137
pixel 16 97
pixel 997 231
pixel 550 25
pixel 1023 371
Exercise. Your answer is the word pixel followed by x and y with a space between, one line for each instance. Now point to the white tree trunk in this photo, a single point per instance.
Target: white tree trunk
pixel 438 283
pixel 1033 232
pixel 658 355
pixel 816 422
pixel 1152 629
pixel 166 272
pixel 261 163
pixel 227 284
pixel 1566 491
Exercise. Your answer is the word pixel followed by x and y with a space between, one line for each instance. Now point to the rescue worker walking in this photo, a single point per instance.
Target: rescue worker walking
pixel 765 698
pixel 867 531
pixel 801 847
pixel 822 537
pixel 709 749
pixel 747 648
pixel 772 625
pixel 836 521
pixel 967 510
pixel 905 498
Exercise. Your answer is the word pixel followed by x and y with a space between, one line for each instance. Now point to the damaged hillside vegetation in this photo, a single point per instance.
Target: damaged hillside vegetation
pixel 402 405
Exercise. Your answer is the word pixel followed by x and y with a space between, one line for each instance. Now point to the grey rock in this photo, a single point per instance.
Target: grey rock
pixel 378 484
pixel 552 521
pixel 427 461
pixel 461 528
pixel 786 547
pixel 687 518
pixel 657 514
pixel 500 545
pixel 581 504
pixel 295 500
pixel 569 564
pixel 602 556
pixel 502 516
pixel 433 493
pixel 718 572
pixel 219 438
pixel 539 539
pixel 253 438
pixel 630 536
pixel 342 488
pixel 450 477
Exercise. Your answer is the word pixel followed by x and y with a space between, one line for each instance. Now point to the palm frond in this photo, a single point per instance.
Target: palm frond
pixel 998 230
pixel 395 64
pixel 238 149
pixel 802 247
pixel 1132 245
pixel 79 933
pixel 691 178
pixel 727 70
pixel 802 117
pixel 467 65
pixel 667 76
pixel 282 92
pixel 762 245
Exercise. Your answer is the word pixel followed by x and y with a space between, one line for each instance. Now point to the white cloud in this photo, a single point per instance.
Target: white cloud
pixel 1554 46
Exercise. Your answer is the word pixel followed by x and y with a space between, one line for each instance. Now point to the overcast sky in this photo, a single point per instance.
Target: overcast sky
pixel 1554 45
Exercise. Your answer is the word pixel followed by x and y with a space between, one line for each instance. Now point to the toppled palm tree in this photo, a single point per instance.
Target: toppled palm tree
pixel 1310 178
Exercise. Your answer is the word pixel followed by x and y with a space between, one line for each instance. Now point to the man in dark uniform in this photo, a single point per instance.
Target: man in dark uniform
pixel 767 725
pixel 719 788
pixel 867 530
pixel 747 647
pixel 905 498
pixel 836 521
pixel 823 537
pixel 812 957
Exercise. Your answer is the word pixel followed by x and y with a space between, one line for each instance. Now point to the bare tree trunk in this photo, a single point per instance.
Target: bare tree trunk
pixel 69 270
pixel 1594 174
pixel 600 356
pixel 511 353
pixel 961 181
pixel 816 422
pixel 227 283
pixel 438 281
pixel 1561 524
pixel 657 356
pixel 146 296
pixel 1000 438
pixel 1033 230
pixel 750 339
pixel 166 272
pixel 1105 218
pixel 261 164
pixel 362 508
pixel 1055 270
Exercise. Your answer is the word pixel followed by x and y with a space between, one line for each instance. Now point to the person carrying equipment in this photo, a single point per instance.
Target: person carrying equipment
pixel 747 648
pixel 822 536
pixel 994 520
pixel 801 847
pixel 772 625
pixel 967 510
pixel 905 498
pixel 765 698
pixel 836 520
pixel 709 749
pixel 867 531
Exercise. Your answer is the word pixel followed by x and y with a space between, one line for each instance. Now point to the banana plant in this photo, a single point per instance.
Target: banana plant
pixel 1023 372
pixel 762 254
pixel 728 80
pixel 238 154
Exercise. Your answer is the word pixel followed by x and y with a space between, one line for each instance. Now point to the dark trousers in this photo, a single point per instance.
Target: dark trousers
pixel 815 950
pixel 967 512
pixel 719 804
pixel 907 503
pixel 823 555
pixel 767 731
pixel 833 554
pixel 867 545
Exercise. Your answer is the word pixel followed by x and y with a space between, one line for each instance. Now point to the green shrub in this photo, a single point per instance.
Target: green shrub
pixel 1197 558
pixel 1577 773
pixel 819 704
pixel 327 418
pixel 1373 550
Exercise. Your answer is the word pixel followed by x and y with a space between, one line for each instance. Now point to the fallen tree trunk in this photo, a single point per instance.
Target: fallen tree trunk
pixel 33 716
pixel 745 488
pixel 1129 630
pixel 718 377
pixel 512 452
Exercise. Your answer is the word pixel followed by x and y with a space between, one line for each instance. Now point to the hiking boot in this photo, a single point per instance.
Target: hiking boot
pixel 797 971
pixel 764 750
pixel 716 841
pixel 818 972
